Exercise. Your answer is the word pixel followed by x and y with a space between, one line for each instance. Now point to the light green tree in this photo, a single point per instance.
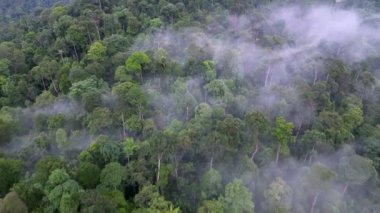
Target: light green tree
pixel 136 62
pixel 97 52
pixel 282 132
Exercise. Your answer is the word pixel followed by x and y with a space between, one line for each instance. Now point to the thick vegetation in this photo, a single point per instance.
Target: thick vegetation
pixel 171 106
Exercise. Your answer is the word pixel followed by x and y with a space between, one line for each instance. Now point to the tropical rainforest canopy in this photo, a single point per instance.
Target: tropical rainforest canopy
pixel 169 106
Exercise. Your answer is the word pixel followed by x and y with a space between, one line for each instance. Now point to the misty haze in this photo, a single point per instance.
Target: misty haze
pixel 169 106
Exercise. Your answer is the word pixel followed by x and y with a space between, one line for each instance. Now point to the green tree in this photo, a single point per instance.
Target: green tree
pixel 99 120
pixel 88 175
pixel 95 202
pixel 92 100
pixel 237 198
pixel 129 147
pixel 278 197
pixel 283 133
pixel 211 185
pixel 149 200
pixel 211 206
pixel 320 177
pixel 130 98
pixel 256 127
pixel 102 151
pixel 209 71
pixel 10 174
pixel 8 125
pixel 97 52
pixel 91 84
pixel 112 176
pixel 62 192
pixel 136 62
pixel 355 170
pixel 45 166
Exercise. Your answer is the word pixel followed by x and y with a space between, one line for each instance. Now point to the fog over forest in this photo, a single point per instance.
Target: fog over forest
pixel 189 106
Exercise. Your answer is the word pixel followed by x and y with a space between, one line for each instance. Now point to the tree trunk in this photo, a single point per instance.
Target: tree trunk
pixel 314 202
pixel 345 189
pixel 315 76
pixel 97 30
pixel 159 157
pixel 305 159
pixel 211 162
pixel 255 152
pixel 298 130
pixel 311 155
pixel 76 53
pixel 100 5
pixel 88 35
pixel 141 78
pixel 141 113
pixel 267 76
pixel 43 83
pixel 187 113
pixel 278 152
pixel 122 119
pixel 61 54
pixel 338 51
pixel 176 167
pixel 55 88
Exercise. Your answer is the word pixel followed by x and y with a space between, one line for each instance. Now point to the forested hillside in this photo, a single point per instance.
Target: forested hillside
pixel 170 106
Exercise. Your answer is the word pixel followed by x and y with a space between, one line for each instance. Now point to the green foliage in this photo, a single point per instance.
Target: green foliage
pixel 56 121
pixel 88 175
pixel 92 100
pixel 198 88
pixel 129 147
pixel 356 169
pixel 130 98
pixel 102 151
pixel 211 206
pixel 45 166
pixel 121 74
pixel 62 192
pixel 97 52
pixel 237 198
pixel 7 126
pixel 136 62
pixel 42 141
pixel 149 200
pixel 30 192
pixel 78 89
pixel 112 176
pixel 10 174
pixel 283 130
pixel 92 201
pixel 211 185
pixel 99 120
pixel 278 197
pixel 209 71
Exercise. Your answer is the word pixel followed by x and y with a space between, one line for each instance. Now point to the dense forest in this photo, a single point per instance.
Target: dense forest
pixel 169 106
